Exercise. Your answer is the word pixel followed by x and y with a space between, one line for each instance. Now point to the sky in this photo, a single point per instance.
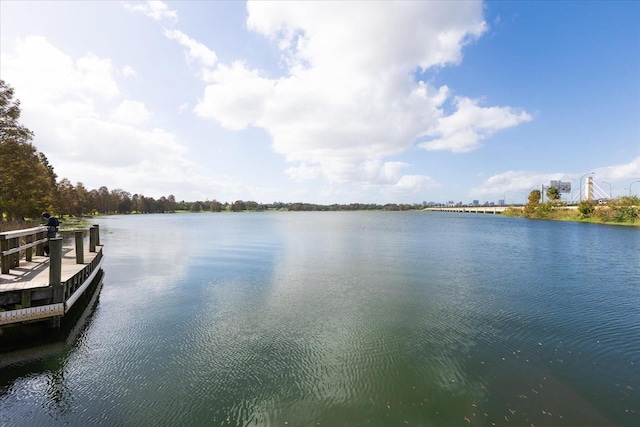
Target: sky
pixel 330 102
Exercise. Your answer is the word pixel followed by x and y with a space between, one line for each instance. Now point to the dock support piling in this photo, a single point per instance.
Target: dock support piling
pixel 97 227
pixel 93 231
pixel 55 276
pixel 25 301
pixel 79 247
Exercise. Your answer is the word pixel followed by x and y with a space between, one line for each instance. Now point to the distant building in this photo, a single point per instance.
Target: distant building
pixel 476 203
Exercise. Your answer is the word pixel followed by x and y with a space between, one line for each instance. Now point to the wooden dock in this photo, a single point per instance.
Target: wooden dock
pixel 44 288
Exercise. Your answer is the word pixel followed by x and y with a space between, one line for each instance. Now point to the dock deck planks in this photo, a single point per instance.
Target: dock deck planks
pixel 35 273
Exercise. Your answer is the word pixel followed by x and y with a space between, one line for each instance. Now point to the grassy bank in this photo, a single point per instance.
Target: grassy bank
pixel 620 211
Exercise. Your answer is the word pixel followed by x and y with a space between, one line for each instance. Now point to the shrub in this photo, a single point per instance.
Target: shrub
pixel 586 208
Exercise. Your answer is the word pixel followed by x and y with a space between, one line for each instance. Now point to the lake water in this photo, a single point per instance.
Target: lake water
pixel 345 319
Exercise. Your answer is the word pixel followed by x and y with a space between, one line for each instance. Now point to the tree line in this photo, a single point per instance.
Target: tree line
pixel 30 186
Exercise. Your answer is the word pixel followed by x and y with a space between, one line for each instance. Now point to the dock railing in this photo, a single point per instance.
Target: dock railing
pixel 52 296
pixel 13 243
pixel 16 244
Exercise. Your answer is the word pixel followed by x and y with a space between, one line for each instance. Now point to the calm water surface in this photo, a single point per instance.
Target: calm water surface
pixel 346 319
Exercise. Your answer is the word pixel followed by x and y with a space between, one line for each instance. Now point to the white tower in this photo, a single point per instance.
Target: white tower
pixel 588 189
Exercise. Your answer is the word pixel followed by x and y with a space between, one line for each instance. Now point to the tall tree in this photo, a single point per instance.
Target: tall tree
pixel 68 202
pixel 171 203
pixel 534 201
pixel 50 173
pixel 25 186
pixel 10 128
pixel 215 206
pixel 84 200
pixel 103 200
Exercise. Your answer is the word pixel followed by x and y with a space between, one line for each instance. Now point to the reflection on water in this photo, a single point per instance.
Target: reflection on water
pixel 33 359
pixel 366 318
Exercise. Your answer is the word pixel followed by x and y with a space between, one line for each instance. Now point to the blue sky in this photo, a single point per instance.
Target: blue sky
pixel 330 102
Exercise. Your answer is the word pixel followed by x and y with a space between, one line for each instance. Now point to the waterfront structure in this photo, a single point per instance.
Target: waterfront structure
pixel 471 209
pixel 588 189
pixel 34 287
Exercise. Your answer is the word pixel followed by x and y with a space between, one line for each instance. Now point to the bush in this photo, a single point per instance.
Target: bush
pixel 586 208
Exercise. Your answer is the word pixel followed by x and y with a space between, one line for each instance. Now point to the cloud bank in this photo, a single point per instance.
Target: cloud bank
pixel 85 123
pixel 346 98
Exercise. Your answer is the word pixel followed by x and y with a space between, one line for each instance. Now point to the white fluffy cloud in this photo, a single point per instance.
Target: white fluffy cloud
pixel 80 80
pixel 130 112
pixel 625 172
pixel 463 130
pixel 347 98
pixel 83 122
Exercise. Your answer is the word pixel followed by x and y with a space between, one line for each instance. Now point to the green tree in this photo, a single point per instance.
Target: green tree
pixel 25 184
pixel 172 205
pixel 103 199
pixel 215 206
pixel 135 202
pixel 24 188
pixel 50 173
pixel 535 196
pixel 84 200
pixel 10 128
pixel 534 201
pixel 238 206
pixel 586 208
pixel 250 205
pixel 68 202
pixel 553 194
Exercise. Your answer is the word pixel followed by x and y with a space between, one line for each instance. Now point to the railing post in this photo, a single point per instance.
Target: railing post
pixel 93 231
pixel 28 253
pixel 40 247
pixel 97 234
pixel 4 245
pixel 15 258
pixel 55 272
pixel 79 248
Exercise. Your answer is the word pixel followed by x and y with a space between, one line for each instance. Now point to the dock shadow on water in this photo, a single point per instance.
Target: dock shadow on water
pixel 37 348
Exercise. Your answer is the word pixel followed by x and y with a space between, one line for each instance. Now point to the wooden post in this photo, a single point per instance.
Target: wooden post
pixel 15 258
pixel 97 234
pixel 79 248
pixel 29 251
pixel 4 245
pixel 55 269
pixel 26 298
pixel 93 231
pixel 40 247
